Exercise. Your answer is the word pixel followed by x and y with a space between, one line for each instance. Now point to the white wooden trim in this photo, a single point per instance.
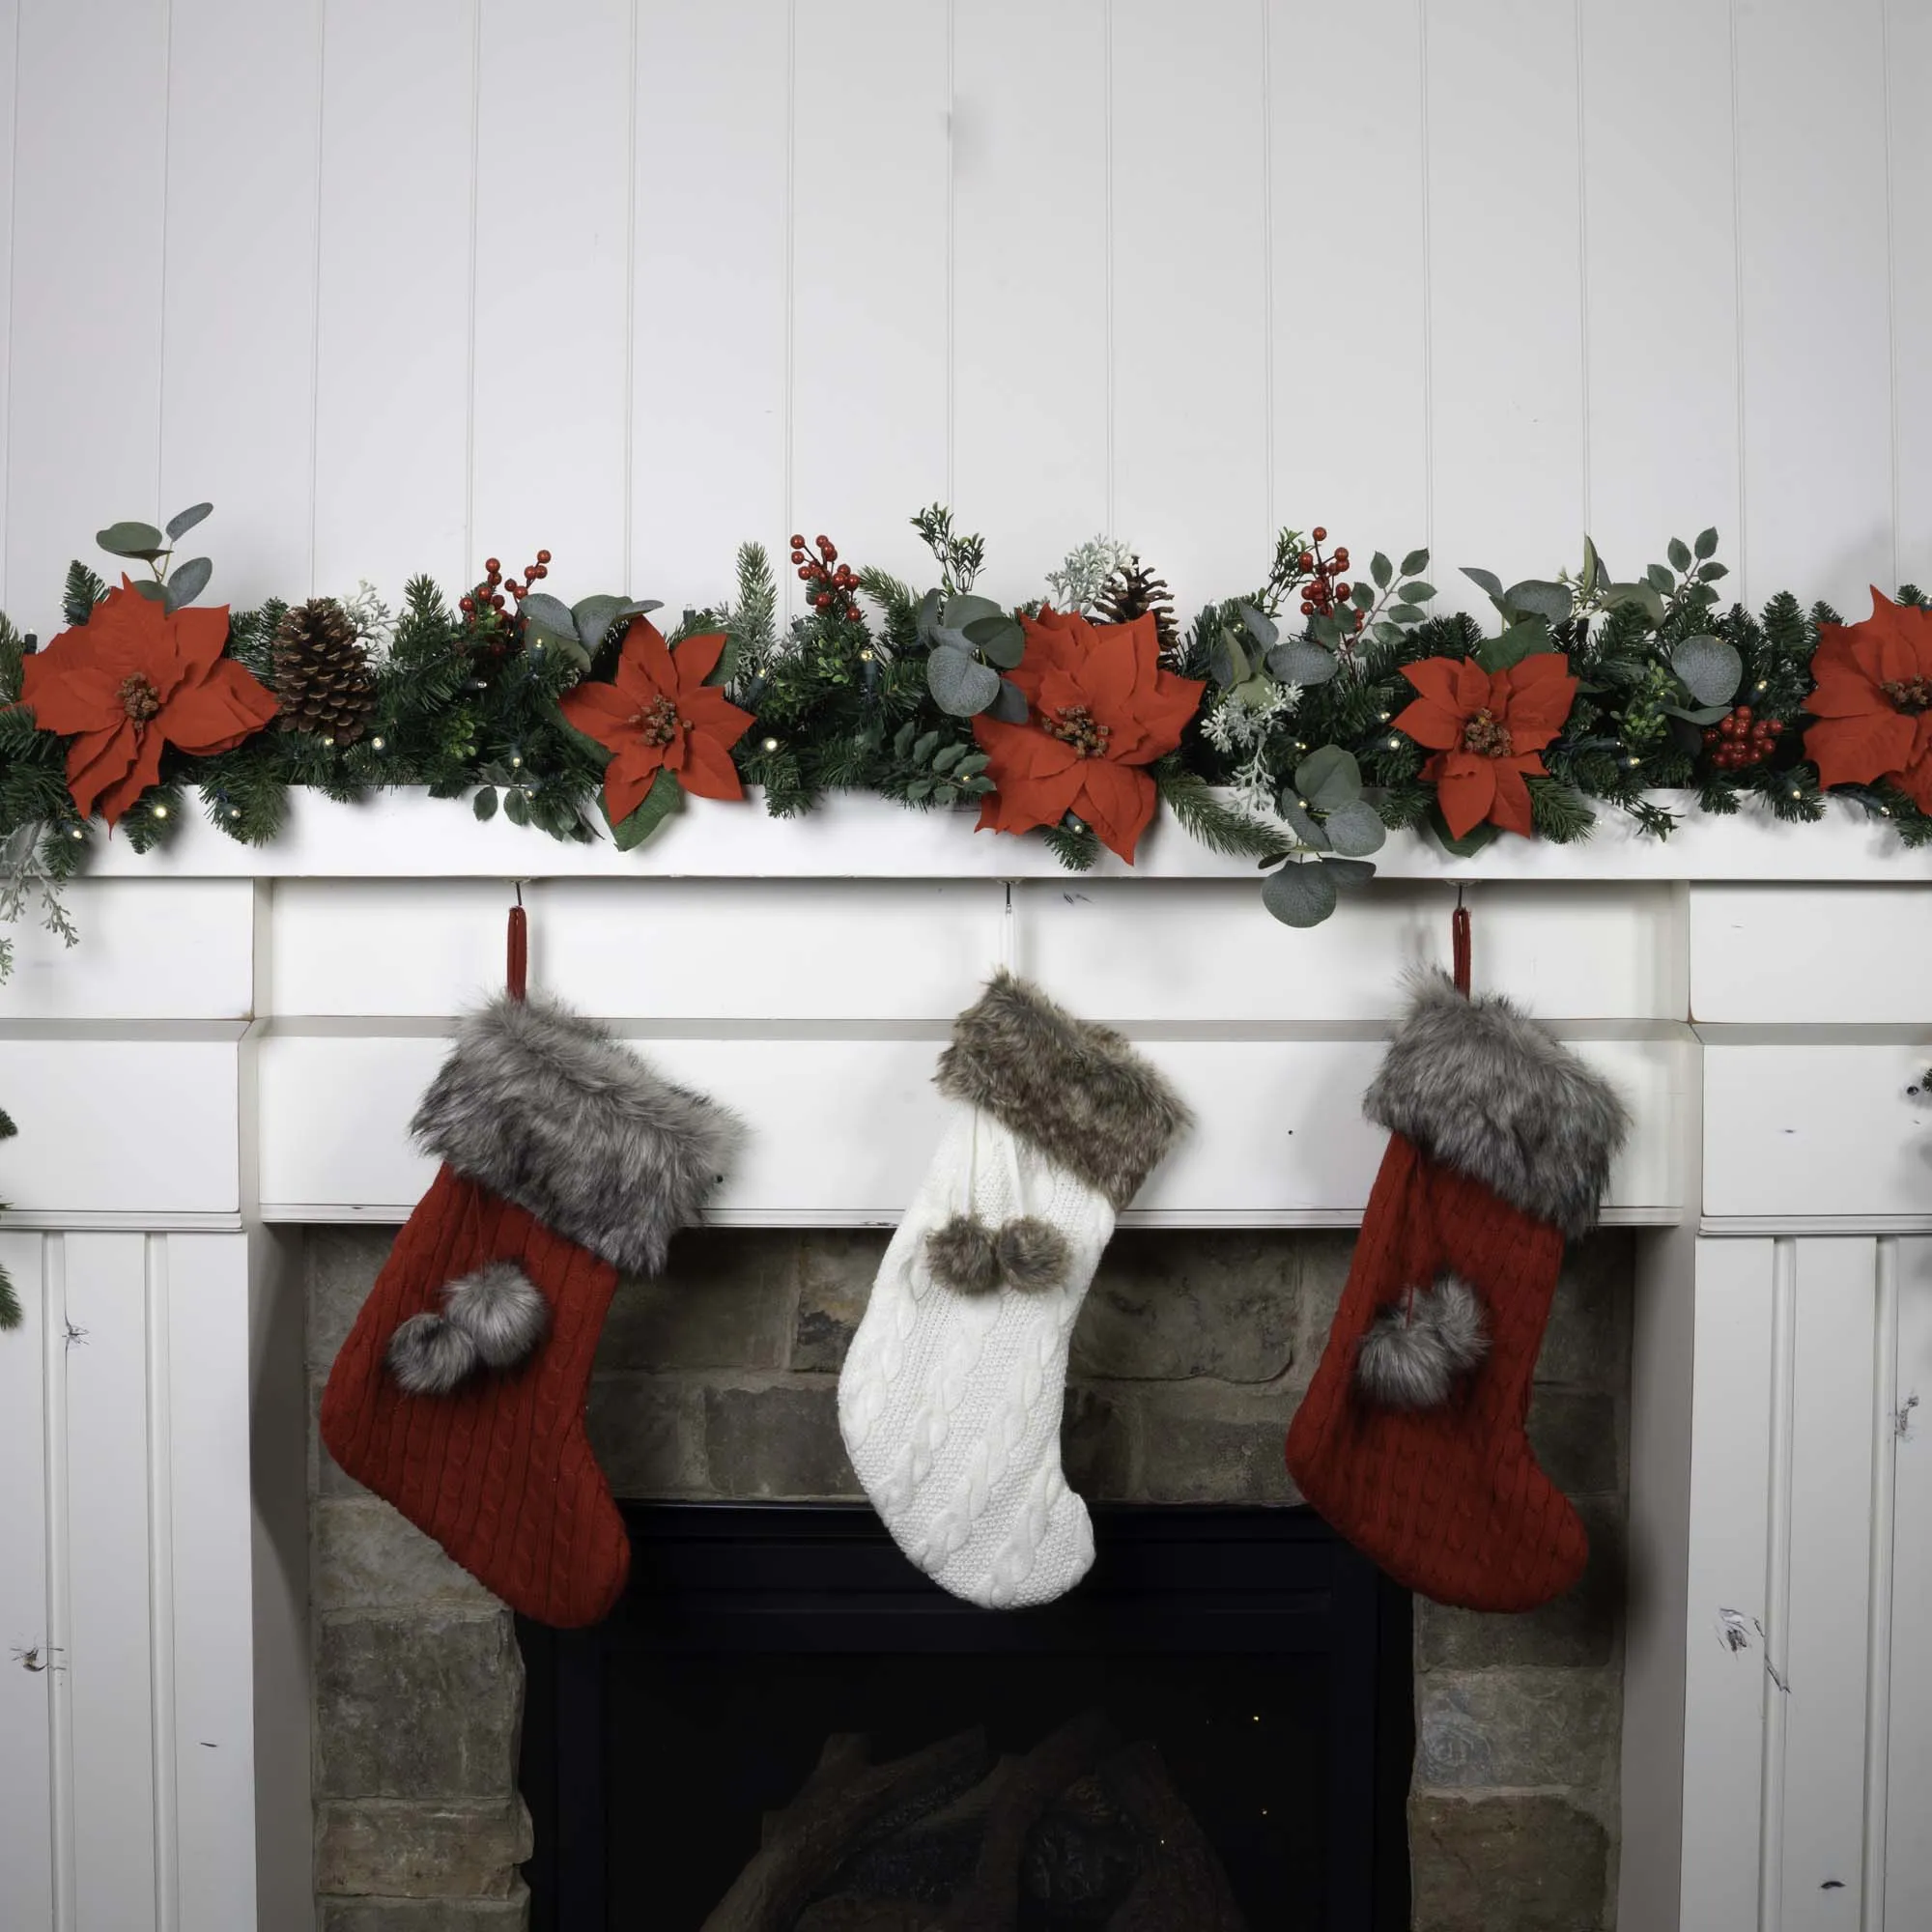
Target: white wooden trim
pixel 60 1620
pixel 405 835
pixel 1878 1583
pixel 157 1333
pixel 1775 1686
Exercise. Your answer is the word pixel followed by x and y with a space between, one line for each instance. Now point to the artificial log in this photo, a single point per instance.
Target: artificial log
pixel 1027 1786
pixel 805 1844
pixel 854 1914
pixel 1182 1886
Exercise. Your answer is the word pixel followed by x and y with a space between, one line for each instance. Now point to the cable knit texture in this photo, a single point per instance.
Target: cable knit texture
pixel 949 1403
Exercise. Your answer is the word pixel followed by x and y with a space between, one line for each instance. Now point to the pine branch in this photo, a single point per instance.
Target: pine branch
pixel 1217 825
pixel 1078 851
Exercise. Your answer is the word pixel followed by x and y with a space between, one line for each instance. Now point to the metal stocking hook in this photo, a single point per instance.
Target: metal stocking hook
pixel 518 968
pixel 1459 934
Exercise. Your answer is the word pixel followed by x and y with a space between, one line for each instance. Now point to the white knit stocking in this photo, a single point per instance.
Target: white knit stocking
pixel 951 1400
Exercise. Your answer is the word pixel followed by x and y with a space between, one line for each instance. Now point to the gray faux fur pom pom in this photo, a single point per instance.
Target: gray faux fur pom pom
pixel 1415 1351
pixel 502 1311
pixel 961 1256
pixel 1033 1253
pixel 430 1355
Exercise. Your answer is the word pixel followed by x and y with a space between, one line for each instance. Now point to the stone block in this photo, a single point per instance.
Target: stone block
pixel 423 1704
pixel 648 1434
pixel 1578 1629
pixel 1517 1728
pixel 411 1850
pixel 1587 1342
pixel 1097 1447
pixel 726 1302
pixel 1506 1864
pixel 341 1264
pixel 1323 1259
pixel 367 1556
pixel 426 1915
pixel 780 1439
pixel 1209 1442
pixel 326 1479
pixel 1575 1437
pixel 836 1267
pixel 1168 1308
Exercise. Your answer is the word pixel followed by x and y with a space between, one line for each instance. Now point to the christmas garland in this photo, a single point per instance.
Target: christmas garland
pixel 1296 725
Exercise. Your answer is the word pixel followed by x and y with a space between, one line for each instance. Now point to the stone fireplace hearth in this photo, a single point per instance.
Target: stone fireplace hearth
pixel 718 1382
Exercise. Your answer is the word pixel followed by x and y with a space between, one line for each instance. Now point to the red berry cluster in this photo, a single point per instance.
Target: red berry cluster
pixel 1325 587
pixel 833 585
pixel 1741 740
pixel 488 595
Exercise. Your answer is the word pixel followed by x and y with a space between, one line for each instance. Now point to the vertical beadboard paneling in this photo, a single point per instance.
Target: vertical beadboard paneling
pixel 201 1281
pixel 1347 242
pixel 392 374
pixel 1505 300
pixel 113 1684
pixel 868 420
pixel 1908 65
pixel 84 400
pixel 1663 397
pixel 1028 298
pixel 1908 1874
pixel 553 277
pixel 708 295
pixel 26 1816
pixel 1724 1674
pixel 238 311
pixel 1821 1829
pixel 1814 328
pixel 1189 293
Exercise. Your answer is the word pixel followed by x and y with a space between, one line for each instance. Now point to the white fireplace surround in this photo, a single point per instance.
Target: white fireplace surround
pixel 237 1046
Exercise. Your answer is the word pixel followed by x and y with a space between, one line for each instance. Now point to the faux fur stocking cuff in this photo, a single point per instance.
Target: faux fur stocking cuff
pixel 547 1109
pixel 1078 1091
pixel 1479 1086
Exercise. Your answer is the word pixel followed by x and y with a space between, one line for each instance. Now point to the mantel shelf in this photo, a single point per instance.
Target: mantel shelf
pixel 405 834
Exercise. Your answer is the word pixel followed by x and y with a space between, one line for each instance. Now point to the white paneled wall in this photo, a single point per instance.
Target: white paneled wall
pixel 399 286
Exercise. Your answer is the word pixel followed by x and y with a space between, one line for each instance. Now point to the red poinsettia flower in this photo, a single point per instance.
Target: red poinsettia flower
pixel 133 679
pixel 1486 730
pixel 1100 708
pixel 1873 700
pixel 658 714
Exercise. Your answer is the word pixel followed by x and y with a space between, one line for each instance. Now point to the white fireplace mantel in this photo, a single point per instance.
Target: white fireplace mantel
pixel 238 1042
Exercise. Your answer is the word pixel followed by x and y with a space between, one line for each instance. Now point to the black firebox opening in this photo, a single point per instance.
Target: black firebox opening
pixel 1213 1732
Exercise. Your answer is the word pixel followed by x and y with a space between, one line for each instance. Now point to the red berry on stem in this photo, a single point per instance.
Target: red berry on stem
pixel 543 556
pixel 1307 608
pixel 491 564
pixel 1305 562
pixel 1317 533
pixel 1342 589
pixel 806 573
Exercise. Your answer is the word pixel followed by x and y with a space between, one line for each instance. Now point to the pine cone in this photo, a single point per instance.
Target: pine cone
pixel 322 678
pixel 1133 591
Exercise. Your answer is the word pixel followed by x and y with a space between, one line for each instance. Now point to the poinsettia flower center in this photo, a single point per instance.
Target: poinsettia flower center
pixel 1077 726
pixel 1486 736
pixel 660 723
pixel 1910 695
pixel 139 699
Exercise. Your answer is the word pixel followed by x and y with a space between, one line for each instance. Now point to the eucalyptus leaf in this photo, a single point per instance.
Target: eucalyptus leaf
pixel 1298 662
pixel 142 540
pixel 1325 630
pixel 484 803
pixel 1227 662
pixel 1253 692
pixel 592 618
pixel 1643 594
pixel 1593 567
pixel 1416 560
pixel 639 606
pixel 1356 829
pixel 549 614
pixel 960 685
pixel 999 638
pixel 1518 642
pixel 925 619
pixel 1381 570
pixel 1679 554
pixel 185 521
pixel 187 581
pixel 945 637
pixel 1707 544
pixel 1704 714
pixel 151 588
pixel 1329 778
pixel 1293 814
pixel 1300 895
pixel 1261 628
pixel 516 806
pixel 1535 597
pixel 1009 707
pixel 1348 871
pixel 1483 580
pixel 1711 668
pixel 664 797
pixel 1469 845
pixel 963 611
